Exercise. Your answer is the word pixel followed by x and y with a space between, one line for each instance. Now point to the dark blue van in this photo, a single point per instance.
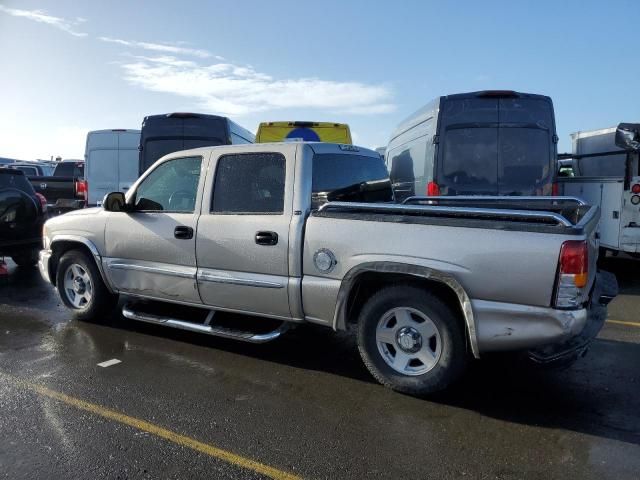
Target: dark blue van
pixel 172 132
pixel 496 142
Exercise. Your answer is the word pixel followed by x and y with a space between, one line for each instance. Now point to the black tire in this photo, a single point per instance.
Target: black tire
pixel 452 359
pixel 27 258
pixel 101 301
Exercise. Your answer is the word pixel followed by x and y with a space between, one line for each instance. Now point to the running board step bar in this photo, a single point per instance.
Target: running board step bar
pixel 244 336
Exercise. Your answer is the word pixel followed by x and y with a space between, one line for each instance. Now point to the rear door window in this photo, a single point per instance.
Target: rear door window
pixel 249 183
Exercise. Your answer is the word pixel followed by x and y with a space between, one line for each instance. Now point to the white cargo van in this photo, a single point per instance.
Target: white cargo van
pixel 604 172
pixel 111 162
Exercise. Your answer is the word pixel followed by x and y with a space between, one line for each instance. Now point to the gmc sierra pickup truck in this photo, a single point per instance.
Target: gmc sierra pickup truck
pixel 307 232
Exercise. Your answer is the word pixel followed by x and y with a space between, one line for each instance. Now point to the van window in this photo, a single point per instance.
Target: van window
pixel 156 149
pixel 249 183
pixel 171 187
pixel 470 159
pixel 524 163
pixel 69 169
pixel 411 165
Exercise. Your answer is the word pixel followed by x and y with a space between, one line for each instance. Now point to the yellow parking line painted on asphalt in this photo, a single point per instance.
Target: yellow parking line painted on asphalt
pixel 629 324
pixel 158 431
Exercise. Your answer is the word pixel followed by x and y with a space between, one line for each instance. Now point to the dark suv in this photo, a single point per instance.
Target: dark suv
pixel 22 213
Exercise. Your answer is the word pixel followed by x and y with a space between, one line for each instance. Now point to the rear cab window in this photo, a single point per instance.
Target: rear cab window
pixel 349 177
pixel 69 169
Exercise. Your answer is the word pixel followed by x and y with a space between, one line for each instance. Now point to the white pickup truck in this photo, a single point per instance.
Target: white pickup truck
pixel 307 232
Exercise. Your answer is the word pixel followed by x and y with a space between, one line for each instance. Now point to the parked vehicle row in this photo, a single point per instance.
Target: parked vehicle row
pixel 65 189
pixel 256 229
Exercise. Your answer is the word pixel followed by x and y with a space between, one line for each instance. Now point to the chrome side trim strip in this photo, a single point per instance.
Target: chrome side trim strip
pixel 147 269
pixel 244 336
pixel 210 277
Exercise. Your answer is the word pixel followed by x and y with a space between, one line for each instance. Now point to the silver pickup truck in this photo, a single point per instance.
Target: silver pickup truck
pixel 307 232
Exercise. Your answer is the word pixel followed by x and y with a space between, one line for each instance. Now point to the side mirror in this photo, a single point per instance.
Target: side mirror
pixel 628 136
pixel 114 202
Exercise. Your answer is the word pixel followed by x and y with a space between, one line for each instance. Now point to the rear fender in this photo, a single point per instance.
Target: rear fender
pixel 416 271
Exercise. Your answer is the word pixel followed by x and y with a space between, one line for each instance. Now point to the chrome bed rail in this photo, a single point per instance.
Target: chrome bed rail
pixel 473 212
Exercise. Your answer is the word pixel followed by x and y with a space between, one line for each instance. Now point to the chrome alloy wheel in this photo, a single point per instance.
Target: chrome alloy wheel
pixel 408 341
pixel 77 286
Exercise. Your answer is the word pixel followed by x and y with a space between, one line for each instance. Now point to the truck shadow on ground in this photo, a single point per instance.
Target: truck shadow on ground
pixel 596 396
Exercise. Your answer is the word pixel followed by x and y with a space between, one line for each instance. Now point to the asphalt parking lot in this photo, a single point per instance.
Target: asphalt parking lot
pixel 180 405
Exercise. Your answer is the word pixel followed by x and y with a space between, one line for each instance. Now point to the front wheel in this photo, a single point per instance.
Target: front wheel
pixel 411 341
pixel 81 287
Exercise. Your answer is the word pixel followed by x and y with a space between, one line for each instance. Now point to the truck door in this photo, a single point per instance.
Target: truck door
pixel 151 250
pixel 243 233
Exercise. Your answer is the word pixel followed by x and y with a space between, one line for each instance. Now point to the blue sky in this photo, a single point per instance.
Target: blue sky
pixel 69 67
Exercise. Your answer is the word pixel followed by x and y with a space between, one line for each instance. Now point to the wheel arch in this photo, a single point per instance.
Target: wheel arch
pixel 61 244
pixel 373 275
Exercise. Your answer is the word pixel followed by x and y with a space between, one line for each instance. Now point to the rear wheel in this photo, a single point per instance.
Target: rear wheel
pixel 411 341
pixel 81 287
pixel 27 258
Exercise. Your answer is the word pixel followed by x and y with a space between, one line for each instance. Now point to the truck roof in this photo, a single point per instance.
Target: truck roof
pixel 317 147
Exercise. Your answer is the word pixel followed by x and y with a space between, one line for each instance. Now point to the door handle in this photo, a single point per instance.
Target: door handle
pixel 183 233
pixel 266 238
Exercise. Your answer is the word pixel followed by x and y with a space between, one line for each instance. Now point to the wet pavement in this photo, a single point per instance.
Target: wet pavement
pixel 303 405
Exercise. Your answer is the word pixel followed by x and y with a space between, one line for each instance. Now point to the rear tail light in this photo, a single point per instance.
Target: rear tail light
pixel 555 189
pixel 573 274
pixel 636 188
pixel 82 188
pixel 43 202
pixel 433 189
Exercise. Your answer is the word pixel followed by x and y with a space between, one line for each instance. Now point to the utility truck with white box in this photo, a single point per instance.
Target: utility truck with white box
pixel 290 233
pixel 605 166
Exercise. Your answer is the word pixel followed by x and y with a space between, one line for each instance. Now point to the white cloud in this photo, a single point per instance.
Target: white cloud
pixel 237 90
pixel 18 141
pixel 174 49
pixel 41 16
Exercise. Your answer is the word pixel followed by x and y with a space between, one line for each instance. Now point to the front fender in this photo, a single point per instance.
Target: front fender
pixel 68 242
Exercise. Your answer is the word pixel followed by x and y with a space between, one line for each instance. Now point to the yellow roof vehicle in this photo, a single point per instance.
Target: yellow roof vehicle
pixel 303 131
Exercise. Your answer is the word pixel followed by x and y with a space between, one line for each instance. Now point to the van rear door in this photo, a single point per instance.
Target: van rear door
pixel 127 159
pixel 496 146
pixel 101 165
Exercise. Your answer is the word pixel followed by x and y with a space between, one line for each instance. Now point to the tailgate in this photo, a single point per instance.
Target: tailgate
pixel 54 188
